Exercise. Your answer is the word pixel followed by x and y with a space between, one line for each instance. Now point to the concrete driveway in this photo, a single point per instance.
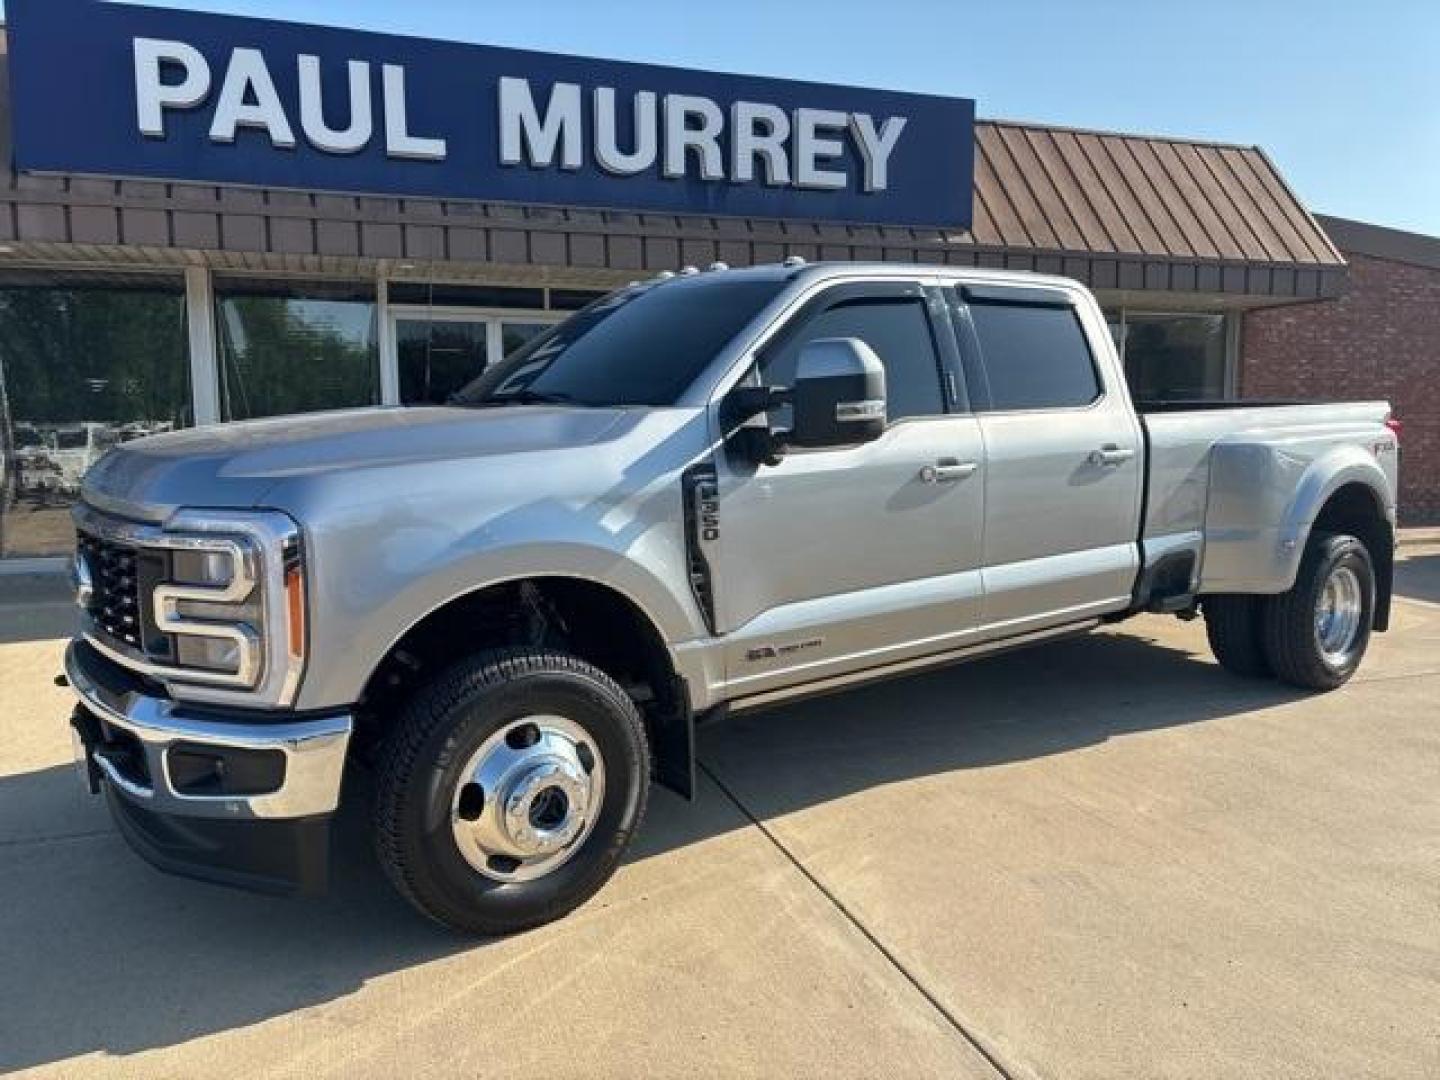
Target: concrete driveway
pixel 1102 858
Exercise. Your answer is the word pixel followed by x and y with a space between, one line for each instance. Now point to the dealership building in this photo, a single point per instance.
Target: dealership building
pixel 137 298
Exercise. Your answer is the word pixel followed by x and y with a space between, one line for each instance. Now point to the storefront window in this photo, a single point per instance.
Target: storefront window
pixel 438 354
pixel 438 357
pixel 86 361
pixel 1171 357
pixel 515 334
pixel 291 346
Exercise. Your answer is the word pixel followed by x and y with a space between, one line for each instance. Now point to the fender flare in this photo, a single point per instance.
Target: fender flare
pixel 374 629
pixel 672 736
pixel 1326 475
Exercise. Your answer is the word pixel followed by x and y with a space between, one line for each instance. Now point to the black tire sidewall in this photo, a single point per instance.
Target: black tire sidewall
pixel 1347 551
pixel 443 872
pixel 1328 553
pixel 1235 634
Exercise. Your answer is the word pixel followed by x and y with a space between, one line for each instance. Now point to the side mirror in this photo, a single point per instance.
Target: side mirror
pixel 838 398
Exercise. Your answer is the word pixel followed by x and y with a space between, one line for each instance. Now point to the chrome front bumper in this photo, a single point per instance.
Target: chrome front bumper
pixel 314 751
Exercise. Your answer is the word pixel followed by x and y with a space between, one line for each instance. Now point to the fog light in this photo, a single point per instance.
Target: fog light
pixel 195 769
pixel 193 773
pixel 208 653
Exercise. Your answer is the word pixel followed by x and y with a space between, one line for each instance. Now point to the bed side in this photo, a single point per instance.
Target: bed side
pixel 1244 485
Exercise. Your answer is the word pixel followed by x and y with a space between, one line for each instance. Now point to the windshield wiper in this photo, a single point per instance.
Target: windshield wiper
pixel 522 397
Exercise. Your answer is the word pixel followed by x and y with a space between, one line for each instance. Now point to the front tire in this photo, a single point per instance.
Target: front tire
pixel 1316 634
pixel 509 790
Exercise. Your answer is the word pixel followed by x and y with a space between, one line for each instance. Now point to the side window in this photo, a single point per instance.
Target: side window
pixel 1035 357
pixel 897 328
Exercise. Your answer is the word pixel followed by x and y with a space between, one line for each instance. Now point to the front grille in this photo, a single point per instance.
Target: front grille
pixel 115 606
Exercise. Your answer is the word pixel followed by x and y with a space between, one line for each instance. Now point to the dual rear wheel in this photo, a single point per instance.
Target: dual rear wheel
pixel 1312 636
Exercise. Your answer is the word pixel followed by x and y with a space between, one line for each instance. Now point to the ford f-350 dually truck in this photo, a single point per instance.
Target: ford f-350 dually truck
pixel 704 492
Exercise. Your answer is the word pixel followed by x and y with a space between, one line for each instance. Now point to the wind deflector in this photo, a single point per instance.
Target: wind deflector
pixel 1029 296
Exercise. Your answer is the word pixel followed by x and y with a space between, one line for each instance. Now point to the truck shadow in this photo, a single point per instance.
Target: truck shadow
pixel 99 953
pixel 1021 706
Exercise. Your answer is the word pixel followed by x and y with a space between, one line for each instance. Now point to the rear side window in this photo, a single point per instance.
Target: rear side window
pixel 1035 357
pixel 898 329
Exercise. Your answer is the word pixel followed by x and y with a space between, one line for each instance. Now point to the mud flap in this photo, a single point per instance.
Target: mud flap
pixel 672 739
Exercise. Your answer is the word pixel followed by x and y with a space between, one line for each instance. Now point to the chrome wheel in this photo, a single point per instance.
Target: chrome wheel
pixel 528 798
pixel 1338 612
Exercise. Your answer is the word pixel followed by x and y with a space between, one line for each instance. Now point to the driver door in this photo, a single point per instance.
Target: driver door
pixel 843 558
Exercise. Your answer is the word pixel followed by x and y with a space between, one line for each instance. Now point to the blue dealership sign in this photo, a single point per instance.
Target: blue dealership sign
pixel 118 90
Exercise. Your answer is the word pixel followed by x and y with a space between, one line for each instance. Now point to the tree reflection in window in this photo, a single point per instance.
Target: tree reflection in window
pixel 85 363
pixel 295 347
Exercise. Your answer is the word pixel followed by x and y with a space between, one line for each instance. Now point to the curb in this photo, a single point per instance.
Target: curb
pixel 1413 537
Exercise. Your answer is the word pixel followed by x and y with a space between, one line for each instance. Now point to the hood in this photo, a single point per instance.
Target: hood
pixel 234 465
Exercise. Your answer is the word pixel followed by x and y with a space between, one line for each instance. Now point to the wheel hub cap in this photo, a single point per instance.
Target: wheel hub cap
pixel 544 807
pixel 1338 611
pixel 527 798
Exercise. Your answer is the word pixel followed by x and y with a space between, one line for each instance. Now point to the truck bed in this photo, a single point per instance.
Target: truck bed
pixel 1226 480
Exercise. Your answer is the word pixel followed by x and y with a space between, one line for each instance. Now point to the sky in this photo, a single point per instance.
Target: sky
pixel 1345 97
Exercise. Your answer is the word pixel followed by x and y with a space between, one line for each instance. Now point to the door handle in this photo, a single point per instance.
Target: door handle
pixel 1110 455
pixel 947 471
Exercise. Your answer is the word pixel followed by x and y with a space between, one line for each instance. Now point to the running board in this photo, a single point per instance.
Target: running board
pixel 907 667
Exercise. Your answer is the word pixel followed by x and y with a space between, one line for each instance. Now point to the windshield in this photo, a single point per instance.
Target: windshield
pixel 643 345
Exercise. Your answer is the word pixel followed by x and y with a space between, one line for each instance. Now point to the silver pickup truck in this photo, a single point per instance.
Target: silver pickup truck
pixel 706 492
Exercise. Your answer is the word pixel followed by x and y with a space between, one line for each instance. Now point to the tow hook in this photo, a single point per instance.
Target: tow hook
pixel 88 742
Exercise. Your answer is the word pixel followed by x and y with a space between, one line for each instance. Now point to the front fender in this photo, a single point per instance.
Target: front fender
pixel 361 616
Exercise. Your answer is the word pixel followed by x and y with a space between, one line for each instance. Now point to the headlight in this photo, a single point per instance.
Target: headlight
pixel 232 603
pixel 212 603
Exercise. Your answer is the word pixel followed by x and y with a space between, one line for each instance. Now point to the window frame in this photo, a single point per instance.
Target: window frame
pixel 954 398
pixel 961 297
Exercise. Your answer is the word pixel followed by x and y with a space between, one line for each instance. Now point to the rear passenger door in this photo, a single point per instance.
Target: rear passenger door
pixel 1063 461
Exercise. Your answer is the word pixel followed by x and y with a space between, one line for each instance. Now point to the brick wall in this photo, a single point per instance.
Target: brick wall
pixel 1381 339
